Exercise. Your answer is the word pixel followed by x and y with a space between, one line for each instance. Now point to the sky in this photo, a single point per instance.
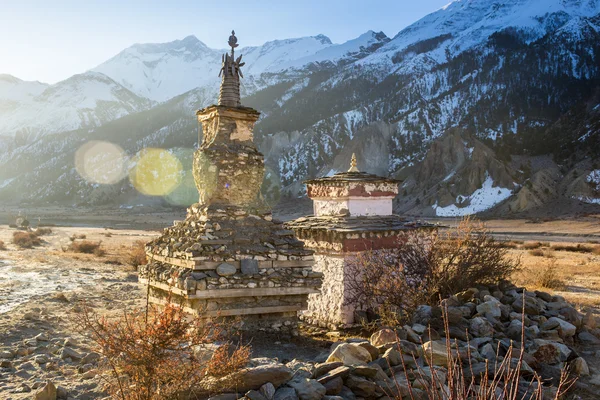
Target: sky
pixel 49 41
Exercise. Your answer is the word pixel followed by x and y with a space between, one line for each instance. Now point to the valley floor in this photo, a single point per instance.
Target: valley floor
pixel 41 289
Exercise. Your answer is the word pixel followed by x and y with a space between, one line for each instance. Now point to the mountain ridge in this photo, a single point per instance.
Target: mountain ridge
pixel 517 93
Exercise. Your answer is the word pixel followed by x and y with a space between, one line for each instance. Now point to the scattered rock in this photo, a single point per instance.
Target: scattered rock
pixel 48 392
pixel 350 354
pixel 308 389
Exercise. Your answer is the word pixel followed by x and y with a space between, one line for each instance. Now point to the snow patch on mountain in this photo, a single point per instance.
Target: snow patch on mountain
pixel 480 200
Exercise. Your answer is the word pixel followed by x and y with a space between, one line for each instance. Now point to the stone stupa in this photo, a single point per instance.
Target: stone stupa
pixel 228 258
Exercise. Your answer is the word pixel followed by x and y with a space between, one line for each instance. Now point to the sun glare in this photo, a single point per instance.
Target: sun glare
pixel 155 172
pixel 101 162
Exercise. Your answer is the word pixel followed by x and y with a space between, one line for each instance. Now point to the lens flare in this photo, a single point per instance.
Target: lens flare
pixel 155 172
pixel 101 162
pixel 186 193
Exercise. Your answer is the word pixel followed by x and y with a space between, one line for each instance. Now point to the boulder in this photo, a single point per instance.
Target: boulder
pixel 307 389
pixel 564 351
pixel 490 308
pixel 285 393
pixel 253 378
pixel 382 337
pixel 48 392
pixel 360 386
pixel 374 351
pixel 365 371
pixel 547 354
pixel 392 357
pixel 334 386
pixel 579 366
pixel 532 307
pixel 255 395
pixel 350 354
pixel 481 327
pixel 341 372
pixel 323 368
pixel 588 338
pixel 68 352
pixel 565 329
pixel 436 352
pixel 267 390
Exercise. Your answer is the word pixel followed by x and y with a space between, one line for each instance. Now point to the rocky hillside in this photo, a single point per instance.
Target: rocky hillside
pixel 480 107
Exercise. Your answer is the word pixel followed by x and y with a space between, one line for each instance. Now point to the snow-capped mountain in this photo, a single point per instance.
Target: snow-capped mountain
pixel 464 24
pixel 30 110
pixel 481 106
pixel 162 71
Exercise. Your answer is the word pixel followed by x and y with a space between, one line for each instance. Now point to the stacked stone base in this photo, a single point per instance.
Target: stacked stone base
pixel 230 262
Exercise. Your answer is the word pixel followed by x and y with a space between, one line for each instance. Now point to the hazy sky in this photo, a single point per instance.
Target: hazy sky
pixel 52 40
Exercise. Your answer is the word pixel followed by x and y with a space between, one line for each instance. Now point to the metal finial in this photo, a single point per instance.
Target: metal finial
pixel 233 40
pixel 353 164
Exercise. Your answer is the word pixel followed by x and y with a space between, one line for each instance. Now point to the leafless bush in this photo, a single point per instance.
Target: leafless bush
pixel 40 231
pixel 579 248
pixel 154 355
pixel 136 254
pixel 86 247
pixel 549 277
pixel 26 240
pixel 76 236
pixel 427 266
pixel 532 245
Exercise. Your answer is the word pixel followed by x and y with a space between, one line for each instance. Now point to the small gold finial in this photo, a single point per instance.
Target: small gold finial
pixel 353 164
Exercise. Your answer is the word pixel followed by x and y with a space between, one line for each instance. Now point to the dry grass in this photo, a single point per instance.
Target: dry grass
pixel 26 240
pixel 87 247
pixel 572 274
pixel 579 248
pixel 2 245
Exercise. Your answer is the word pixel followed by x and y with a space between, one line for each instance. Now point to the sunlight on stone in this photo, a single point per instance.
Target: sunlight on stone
pixel 101 162
pixel 156 172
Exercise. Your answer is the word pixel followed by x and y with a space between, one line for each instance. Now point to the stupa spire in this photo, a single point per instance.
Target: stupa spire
pixel 230 74
pixel 353 164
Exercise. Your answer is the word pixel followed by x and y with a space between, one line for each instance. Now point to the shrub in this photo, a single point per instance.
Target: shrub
pixel 579 248
pixel 427 266
pixel 153 353
pixel 26 240
pixel 76 236
pixel 2 245
pixel 86 247
pixel 536 253
pixel 136 254
pixel 42 231
pixel 549 278
pixel 532 245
